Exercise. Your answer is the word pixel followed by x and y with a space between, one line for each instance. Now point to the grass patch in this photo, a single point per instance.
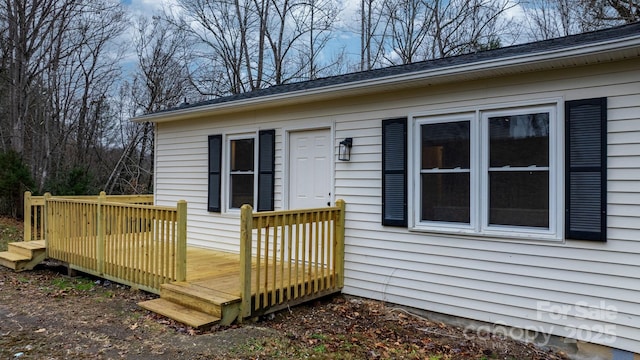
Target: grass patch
pixel 78 285
pixel 319 336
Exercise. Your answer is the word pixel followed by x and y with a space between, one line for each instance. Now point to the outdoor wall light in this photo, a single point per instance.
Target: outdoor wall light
pixel 344 151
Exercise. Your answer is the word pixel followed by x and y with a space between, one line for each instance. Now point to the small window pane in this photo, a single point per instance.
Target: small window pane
pixel 445 145
pixel 519 140
pixel 242 155
pixel 445 197
pixel 241 190
pixel 519 198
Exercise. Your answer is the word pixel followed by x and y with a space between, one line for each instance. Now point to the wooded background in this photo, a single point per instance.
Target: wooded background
pixel 73 72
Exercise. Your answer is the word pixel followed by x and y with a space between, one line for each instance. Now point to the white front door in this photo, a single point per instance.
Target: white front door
pixel 309 169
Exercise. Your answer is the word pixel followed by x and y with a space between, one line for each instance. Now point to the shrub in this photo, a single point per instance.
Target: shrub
pixel 76 181
pixel 15 178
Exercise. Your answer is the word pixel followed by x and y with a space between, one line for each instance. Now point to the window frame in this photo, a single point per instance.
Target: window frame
pixel 553 171
pixel 226 196
pixel 415 173
pixel 479 174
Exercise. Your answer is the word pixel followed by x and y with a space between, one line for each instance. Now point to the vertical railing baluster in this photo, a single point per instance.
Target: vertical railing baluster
pixel 258 280
pixel 101 232
pixel 282 258
pixel 289 254
pixel 298 256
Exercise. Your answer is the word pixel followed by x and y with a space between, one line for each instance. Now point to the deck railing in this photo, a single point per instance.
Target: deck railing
pixel 297 254
pixel 131 243
pixel 34 210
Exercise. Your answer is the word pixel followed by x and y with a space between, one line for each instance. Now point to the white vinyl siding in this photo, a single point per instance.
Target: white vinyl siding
pixel 499 280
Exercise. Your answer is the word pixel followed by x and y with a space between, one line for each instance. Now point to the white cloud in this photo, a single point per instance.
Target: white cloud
pixel 349 14
pixel 515 11
pixel 151 5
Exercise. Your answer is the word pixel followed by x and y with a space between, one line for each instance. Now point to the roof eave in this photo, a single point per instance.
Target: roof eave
pixel 618 49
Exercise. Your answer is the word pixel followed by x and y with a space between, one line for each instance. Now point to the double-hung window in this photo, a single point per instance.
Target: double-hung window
pixel 485 172
pixel 241 171
pixel 445 170
pixel 518 176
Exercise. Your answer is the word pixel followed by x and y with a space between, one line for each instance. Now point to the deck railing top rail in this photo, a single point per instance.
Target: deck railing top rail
pixel 302 212
pixel 107 200
pixel 34 209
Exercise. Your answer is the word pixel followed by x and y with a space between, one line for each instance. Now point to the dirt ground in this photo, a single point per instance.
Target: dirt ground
pixel 45 314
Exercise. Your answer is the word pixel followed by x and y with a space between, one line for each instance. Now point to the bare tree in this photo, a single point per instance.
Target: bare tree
pixel 222 33
pixel 409 27
pixel 98 26
pixel 161 81
pixel 30 30
pixel 613 11
pixel 60 69
pixel 461 27
pixel 418 30
pixel 548 19
pixel 322 15
pixel 80 83
pixel 553 18
pixel 373 29
pixel 253 44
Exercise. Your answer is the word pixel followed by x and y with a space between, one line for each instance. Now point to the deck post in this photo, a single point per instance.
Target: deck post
pixel 181 242
pixel 101 233
pixel 340 244
pixel 27 216
pixel 246 224
pixel 47 229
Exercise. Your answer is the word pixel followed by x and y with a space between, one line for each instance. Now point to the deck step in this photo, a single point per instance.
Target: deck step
pixel 177 312
pixel 12 260
pixel 28 248
pixel 193 296
pixel 23 255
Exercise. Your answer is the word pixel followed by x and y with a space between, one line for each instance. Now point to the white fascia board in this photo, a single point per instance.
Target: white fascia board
pixel 372 85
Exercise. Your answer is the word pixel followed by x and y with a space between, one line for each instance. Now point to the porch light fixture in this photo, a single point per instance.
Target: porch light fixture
pixel 344 150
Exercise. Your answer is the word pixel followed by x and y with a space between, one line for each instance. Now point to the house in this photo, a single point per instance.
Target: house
pixel 501 186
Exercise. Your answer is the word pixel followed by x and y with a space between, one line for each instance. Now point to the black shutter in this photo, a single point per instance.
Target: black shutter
pixel 266 169
pixel 215 173
pixel 394 172
pixel 586 169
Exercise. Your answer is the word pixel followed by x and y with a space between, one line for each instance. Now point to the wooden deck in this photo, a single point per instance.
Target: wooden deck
pixel 285 257
pixel 212 292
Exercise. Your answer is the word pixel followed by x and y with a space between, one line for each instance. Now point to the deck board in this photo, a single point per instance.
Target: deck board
pixel 220 272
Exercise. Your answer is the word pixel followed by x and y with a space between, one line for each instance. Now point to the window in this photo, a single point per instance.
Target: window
pixel 497 172
pixel 241 172
pixel 445 171
pixel 518 171
pixel 244 175
pixel 486 172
